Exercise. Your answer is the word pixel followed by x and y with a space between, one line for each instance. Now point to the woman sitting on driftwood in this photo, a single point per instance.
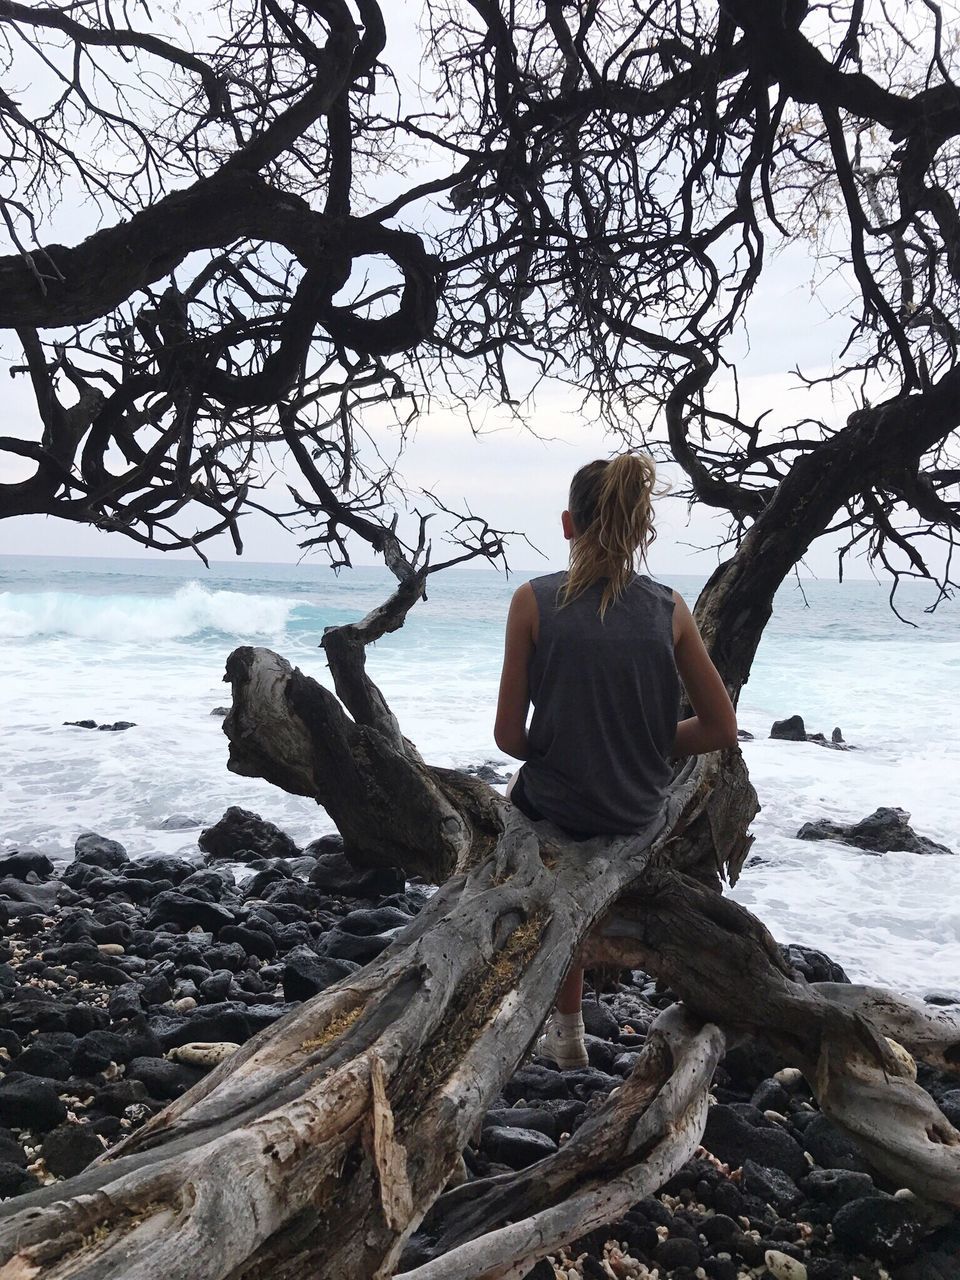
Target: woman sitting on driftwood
pixel 600 650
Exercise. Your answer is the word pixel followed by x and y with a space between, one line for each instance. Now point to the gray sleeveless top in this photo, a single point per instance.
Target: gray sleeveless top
pixel 606 697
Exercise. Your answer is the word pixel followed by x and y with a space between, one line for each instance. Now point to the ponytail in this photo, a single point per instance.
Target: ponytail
pixel 612 512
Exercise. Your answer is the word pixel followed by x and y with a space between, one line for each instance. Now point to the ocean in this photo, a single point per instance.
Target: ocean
pixel 146 640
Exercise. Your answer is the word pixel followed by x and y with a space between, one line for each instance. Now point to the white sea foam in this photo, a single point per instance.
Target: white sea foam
pixel 892 919
pixel 191 611
pixel 151 649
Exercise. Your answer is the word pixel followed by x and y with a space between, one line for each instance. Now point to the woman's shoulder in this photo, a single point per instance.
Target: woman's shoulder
pixel 547 581
pixel 658 590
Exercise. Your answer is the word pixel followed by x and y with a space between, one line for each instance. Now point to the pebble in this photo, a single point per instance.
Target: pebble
pixel 782 1267
pixel 789 1078
pixel 904 1057
pixel 206 1055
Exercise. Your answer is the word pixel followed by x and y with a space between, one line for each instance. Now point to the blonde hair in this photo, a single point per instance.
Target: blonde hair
pixel 611 506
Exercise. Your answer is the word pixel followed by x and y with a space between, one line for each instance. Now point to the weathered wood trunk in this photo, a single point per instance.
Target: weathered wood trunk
pixel 326 1141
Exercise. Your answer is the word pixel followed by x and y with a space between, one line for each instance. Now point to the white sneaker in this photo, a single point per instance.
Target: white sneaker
pixel 563 1045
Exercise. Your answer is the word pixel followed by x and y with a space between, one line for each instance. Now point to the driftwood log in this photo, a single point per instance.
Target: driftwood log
pixel 328 1140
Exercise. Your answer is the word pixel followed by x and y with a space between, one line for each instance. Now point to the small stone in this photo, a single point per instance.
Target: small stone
pixel 838 1186
pixel 677 1251
pixel 782 1267
pixel 175 907
pixel 179 822
pixel 24 862
pixel 770 1095
pixel 162 1079
pixel 789 1078
pixel 830 1147
pixel 879 1227
pixel 38 1060
pixel 14 1179
pixel 535 1082
pixel 719 1229
pixel 335 873
pixel 244 835
pixel 489 772
pixel 110 949
pixel 599 1021
pixel 811 964
pixel 69 1148
pixel 26 1101
pixel 904 1057
pixel 204 1056
pixel 517 1148
pixel 305 974
pixel 218 986
pixel 883 831
pixel 538 1118
pixel 136 1113
pixel 773 1186
pixel 748 1247
pixel 732 1139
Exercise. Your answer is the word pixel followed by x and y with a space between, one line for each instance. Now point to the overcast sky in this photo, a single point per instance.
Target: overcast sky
pixel 518 479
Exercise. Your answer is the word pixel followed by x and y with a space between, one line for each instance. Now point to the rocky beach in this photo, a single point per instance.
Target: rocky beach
pixel 125 980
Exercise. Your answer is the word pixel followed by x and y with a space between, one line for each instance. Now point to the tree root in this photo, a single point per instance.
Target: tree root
pixel 931 1034
pixel 724 964
pixel 501 1227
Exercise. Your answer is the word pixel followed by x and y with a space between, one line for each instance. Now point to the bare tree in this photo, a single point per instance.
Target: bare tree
pixel 601 182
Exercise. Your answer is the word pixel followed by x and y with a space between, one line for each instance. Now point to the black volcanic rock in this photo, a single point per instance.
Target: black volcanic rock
pixel 790 730
pixel 305 974
pixel 811 964
pixel 883 831
pixel 162 1079
pixel 25 862
pixel 68 1149
pixel 98 851
pixel 734 1140
pixel 879 1226
pixel 243 835
pixel 182 909
pixel 335 873
pixel 517 1147
pixel 27 1102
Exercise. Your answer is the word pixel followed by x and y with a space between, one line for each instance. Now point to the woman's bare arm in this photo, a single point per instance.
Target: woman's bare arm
pixel 714 723
pixel 510 730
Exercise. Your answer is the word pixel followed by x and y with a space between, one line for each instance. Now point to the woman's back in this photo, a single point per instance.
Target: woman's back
pixel 606 696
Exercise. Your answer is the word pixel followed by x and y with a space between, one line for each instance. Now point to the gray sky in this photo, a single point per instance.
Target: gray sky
pixel 511 477
pixel 518 479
